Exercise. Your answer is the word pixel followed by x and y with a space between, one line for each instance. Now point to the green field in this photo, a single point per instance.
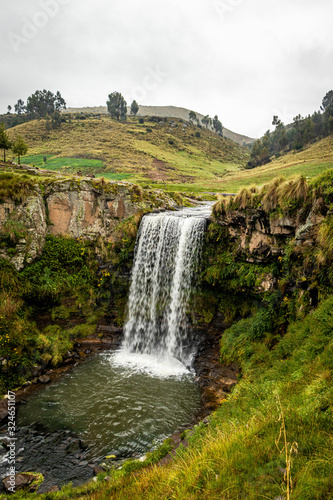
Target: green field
pixel 65 165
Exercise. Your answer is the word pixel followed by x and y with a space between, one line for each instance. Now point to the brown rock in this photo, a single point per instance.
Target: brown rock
pixel 21 481
pixel 53 489
pixel 44 379
pixel 98 469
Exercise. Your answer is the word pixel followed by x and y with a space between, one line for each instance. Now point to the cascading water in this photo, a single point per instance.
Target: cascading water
pixel 166 258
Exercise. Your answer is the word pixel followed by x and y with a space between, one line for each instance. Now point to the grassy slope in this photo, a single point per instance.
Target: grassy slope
pixel 129 150
pixel 310 162
pixel 164 111
pixel 193 163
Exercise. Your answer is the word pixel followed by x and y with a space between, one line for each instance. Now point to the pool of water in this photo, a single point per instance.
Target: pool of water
pixel 117 403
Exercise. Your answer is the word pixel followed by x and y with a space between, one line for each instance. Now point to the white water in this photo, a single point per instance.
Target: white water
pixel 157 337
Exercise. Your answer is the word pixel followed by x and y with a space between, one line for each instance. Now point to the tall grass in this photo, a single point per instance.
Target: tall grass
pixel 15 186
pixel 281 192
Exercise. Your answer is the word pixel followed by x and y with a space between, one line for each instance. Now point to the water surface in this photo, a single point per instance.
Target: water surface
pixel 118 404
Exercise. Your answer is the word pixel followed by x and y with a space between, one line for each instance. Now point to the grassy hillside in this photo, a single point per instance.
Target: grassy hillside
pixel 168 112
pixel 172 152
pixel 173 155
pixel 310 162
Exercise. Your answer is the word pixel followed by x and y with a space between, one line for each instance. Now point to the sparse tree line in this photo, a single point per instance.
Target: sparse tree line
pixel 117 107
pixel 295 136
pixel 41 104
pixel 206 121
pixel 18 146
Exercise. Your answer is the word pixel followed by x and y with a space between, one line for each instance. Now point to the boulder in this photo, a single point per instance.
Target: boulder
pixel 22 480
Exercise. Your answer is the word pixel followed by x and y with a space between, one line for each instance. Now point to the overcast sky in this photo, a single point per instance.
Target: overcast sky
pixel 245 60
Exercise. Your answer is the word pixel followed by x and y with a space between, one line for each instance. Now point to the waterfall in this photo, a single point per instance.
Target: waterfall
pixel 166 257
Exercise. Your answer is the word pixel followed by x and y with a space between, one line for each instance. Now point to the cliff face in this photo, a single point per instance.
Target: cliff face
pixel 75 208
pixel 260 237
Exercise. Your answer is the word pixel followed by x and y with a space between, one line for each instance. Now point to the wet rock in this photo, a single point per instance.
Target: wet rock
pixel 44 379
pixel 5 441
pixel 21 481
pixel 74 447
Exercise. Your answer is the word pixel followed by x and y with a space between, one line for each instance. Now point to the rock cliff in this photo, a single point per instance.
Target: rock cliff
pixel 260 236
pixel 77 208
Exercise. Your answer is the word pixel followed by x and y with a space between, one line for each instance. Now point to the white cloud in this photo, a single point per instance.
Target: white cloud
pixel 257 57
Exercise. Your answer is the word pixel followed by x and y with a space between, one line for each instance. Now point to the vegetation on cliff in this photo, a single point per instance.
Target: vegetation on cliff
pixel 272 437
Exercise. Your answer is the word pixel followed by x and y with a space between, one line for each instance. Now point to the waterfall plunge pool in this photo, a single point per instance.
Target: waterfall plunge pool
pixel 116 404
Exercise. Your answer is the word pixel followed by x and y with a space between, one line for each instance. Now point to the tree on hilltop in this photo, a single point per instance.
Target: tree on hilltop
pixel 19 148
pixel 5 143
pixel 206 120
pixel 117 106
pixel 217 125
pixel 134 108
pixel 192 116
pixel 19 107
pixel 43 103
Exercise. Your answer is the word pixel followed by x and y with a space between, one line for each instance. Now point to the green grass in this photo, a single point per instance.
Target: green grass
pixel 115 177
pixel 69 165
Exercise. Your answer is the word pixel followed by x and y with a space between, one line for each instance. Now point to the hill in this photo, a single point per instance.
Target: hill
pixel 310 161
pixel 166 112
pixel 168 152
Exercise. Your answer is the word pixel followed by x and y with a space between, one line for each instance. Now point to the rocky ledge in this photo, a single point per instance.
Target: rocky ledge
pixel 260 236
pixel 77 208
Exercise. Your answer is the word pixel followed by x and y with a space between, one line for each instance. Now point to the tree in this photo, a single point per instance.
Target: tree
pixel 56 119
pixel 327 103
pixel 134 108
pixel 192 116
pixel 117 106
pixel 19 148
pixel 4 140
pixel 9 109
pixel 48 125
pixel 43 103
pixel 206 120
pixel 217 125
pixel 276 121
pixel 279 137
pixel 19 107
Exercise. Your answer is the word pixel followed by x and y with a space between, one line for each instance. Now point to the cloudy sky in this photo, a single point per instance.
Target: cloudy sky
pixel 245 60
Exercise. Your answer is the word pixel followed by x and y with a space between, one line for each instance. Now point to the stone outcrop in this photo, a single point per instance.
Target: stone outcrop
pixel 259 237
pixel 77 208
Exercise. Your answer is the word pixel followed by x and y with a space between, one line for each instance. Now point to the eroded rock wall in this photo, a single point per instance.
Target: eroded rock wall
pixel 74 208
pixel 260 236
